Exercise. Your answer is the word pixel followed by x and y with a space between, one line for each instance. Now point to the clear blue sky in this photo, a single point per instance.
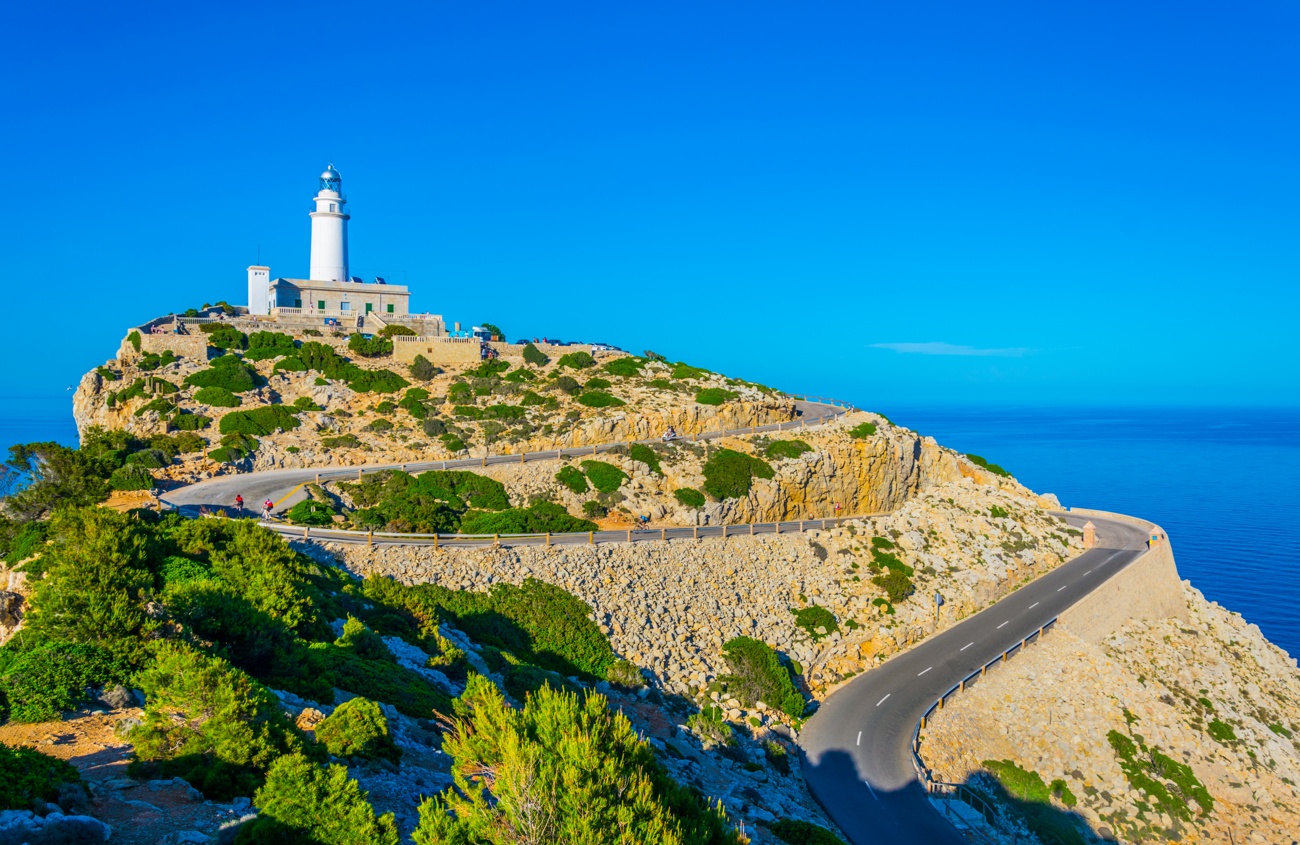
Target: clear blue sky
pixel 946 203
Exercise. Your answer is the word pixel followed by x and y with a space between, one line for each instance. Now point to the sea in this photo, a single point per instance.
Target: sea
pixel 1223 482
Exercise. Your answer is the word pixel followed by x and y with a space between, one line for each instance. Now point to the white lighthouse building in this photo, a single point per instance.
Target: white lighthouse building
pixel 329 296
pixel 329 230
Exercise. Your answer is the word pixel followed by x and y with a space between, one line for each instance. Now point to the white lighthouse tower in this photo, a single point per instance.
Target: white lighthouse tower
pixel 329 230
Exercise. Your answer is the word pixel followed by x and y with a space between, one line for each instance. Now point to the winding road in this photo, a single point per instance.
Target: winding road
pixel 857 748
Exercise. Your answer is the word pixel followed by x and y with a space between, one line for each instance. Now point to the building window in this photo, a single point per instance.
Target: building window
pixel 369 307
pixel 320 303
pixel 333 207
pixel 345 306
pixel 297 303
pixel 390 308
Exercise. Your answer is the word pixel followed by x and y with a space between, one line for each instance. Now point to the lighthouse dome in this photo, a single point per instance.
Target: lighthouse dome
pixel 330 178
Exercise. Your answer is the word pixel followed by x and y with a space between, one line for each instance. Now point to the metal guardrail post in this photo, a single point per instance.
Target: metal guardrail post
pixel 629 535
pixel 370 539
pixel 778 526
pixel 751 529
pixel 435 542
pixel 695 532
pixel 548 539
pixel 724 530
pixel 306 532
pixel 591 538
pixel 663 533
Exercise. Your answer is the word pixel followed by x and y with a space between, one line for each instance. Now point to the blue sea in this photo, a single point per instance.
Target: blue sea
pixel 1225 483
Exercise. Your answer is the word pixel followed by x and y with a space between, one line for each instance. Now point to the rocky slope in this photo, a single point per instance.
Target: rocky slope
pixel 1210 693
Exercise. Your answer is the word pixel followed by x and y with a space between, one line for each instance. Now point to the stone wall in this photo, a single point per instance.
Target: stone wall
pixel 438 350
pixel 1149 589
pixel 193 346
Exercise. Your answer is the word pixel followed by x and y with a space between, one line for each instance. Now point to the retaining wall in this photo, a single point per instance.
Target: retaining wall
pixel 1148 588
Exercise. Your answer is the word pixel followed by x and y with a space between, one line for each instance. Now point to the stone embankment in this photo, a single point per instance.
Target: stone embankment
pixel 670 606
pixel 1198 685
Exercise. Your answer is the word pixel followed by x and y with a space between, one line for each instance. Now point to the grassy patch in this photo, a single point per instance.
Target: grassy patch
pixel 778 449
pixel 714 396
pixel 993 468
pixel 729 474
pixel 689 497
pixel 646 455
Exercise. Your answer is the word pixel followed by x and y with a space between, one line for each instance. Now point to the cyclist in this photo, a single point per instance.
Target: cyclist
pixel 239 504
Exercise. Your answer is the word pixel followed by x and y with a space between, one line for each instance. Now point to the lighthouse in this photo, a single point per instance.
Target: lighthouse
pixel 329 230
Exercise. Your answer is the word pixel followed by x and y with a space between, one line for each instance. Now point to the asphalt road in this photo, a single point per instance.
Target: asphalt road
pixel 280 485
pixel 857 748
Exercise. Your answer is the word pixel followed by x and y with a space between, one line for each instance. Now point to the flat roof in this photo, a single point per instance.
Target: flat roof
pixel 367 287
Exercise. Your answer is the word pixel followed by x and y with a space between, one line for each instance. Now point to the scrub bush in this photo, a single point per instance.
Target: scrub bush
pixel 729 474
pixel 803 833
pixel 311 512
pixel 567 384
pixel 264 345
pixel 218 397
pixel 993 468
pixel 689 497
pixel 862 431
pixel 684 371
pixel 224 335
pixel 604 477
pixel 576 360
pixel 757 674
pixel 226 372
pixel 370 347
pixel 628 367
pixel 131 478
pixel 813 617
pixel 306 804
pixel 599 399
pixel 573 478
pixel 646 455
pixel 261 421
pixel 41 682
pixel 538 518
pixel 422 369
pixel 538 754
pixel 28 776
pixel 209 723
pixel 357 728
pixel 535 356
pixel 397 330
pixel 185 421
pixel 778 449
pixel 714 396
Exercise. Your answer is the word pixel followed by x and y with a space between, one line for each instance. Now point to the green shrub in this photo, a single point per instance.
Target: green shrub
pixel 306 804
pixel 291 364
pixel 380 425
pixel 357 728
pixel 777 756
pixel 397 330
pixel 573 478
pixel 134 339
pixel 373 381
pixel 1026 792
pixel 108 375
pixel 422 369
pixel 186 421
pixel 628 367
pixel 711 727
pixel 998 513
pixel 495 331
pixel 261 421
pixel 343 441
pixel 535 356
pixel 993 468
pixel 714 396
pixel 177 444
pixel 310 512
pixel 729 474
pixel 1061 792
pixel 538 622
pixel 370 347
pixel 803 833
pixel 149 459
pixel 1221 731
pixel 218 397
pixel 683 371
pixel 896 584
pixel 862 431
pixel 209 723
pixel 757 674
pixel 509 413
pixel 306 403
pixel 537 518
pixel 597 384
pixel 131 478
pixel 689 497
pixel 160 406
pixel 599 399
pixel 152 360
pixel 19 541
pixel 778 449
pixel 813 617
pixel 223 335
pixel 28 776
pixel 51 677
pixel 661 384
pixel 547 744
pixel 567 384
pixel 452 443
pixel 228 373
pixel 264 345
pixel 604 477
pixel 576 361
pixel 646 455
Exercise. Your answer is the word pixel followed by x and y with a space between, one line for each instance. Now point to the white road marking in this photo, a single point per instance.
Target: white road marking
pixel 859 737
pixel 1008 622
pixel 1089 572
pixel 968 645
pixel 873 792
pixel 1062 588
pixel 922 672
pixel 1034 605
pixel 882 701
